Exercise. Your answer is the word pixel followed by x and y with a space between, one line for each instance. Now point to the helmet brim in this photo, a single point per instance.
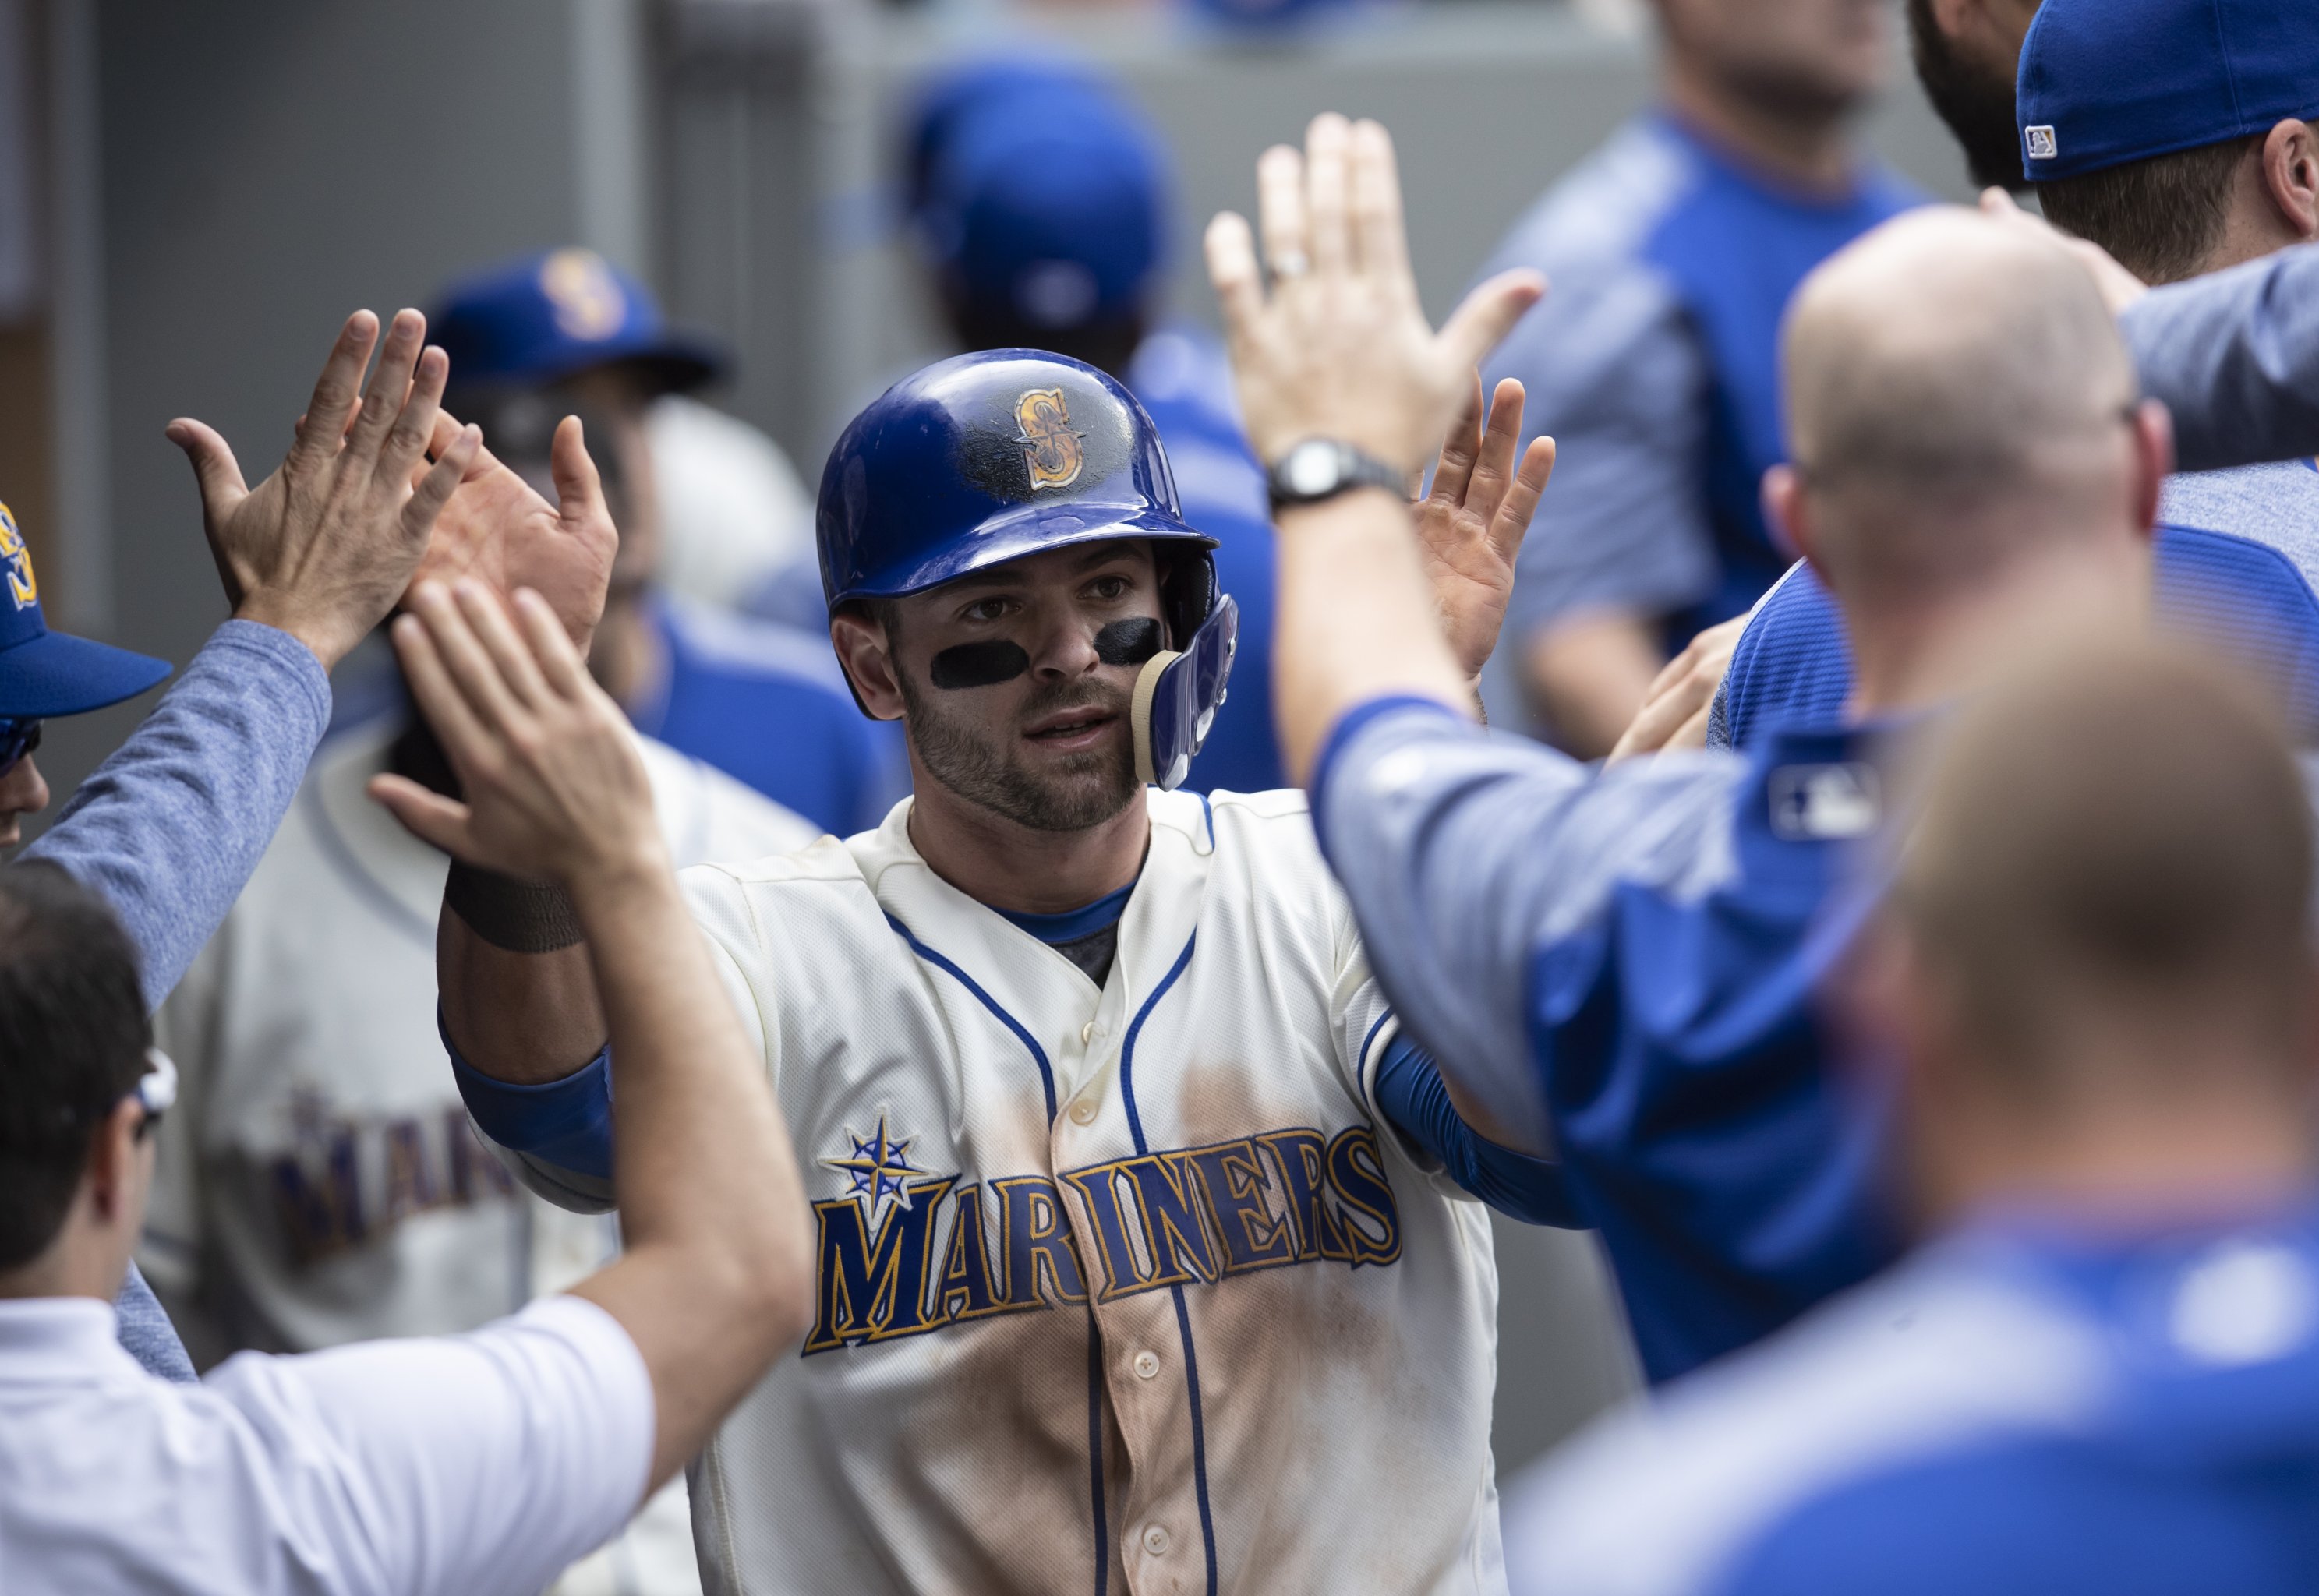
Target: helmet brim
pixel 1035 529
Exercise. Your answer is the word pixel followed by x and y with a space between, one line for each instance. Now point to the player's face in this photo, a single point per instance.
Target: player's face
pixel 1015 682
pixel 1815 57
pixel 22 793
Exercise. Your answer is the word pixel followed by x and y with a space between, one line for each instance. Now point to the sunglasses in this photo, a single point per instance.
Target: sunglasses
pixel 19 735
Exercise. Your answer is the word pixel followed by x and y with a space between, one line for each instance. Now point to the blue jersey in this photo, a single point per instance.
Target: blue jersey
pixel 1639 953
pixel 1183 381
pixel 1655 361
pixel 2028 1407
pixel 768 706
pixel 2248 588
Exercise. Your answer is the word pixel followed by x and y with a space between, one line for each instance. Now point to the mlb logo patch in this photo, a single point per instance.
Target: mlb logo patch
pixel 2043 145
pixel 1825 803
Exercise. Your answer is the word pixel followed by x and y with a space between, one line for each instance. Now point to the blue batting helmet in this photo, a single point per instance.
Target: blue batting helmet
pixel 987 458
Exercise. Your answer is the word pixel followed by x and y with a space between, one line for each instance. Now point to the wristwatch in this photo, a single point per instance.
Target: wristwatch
pixel 1321 468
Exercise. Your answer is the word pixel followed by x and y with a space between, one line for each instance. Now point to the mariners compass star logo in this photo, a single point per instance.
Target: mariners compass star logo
pixel 881 1166
pixel 1055 454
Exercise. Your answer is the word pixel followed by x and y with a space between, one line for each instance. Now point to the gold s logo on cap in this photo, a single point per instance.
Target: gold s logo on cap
pixel 588 300
pixel 1055 454
pixel 2043 145
pixel 16 563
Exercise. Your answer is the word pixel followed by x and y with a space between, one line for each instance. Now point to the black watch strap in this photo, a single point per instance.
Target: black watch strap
pixel 1319 469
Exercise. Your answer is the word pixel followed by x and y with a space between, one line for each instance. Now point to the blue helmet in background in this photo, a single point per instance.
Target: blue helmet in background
pixel 987 458
pixel 1039 189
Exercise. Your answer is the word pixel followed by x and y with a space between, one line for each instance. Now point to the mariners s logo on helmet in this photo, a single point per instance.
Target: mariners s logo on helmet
pixel 1051 448
pixel 16 563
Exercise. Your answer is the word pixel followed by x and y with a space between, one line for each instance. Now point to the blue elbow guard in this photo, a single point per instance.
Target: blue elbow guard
pixel 1530 1190
pixel 566 1123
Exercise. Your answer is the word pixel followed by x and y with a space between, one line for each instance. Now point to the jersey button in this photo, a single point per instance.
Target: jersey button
pixel 1082 1111
pixel 1147 1364
pixel 1086 1033
pixel 1155 1541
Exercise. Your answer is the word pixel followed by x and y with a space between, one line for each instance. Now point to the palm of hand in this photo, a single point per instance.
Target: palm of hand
pixel 1472 575
pixel 498 530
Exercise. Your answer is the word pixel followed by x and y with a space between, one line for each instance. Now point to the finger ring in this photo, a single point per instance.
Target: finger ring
pixel 1288 264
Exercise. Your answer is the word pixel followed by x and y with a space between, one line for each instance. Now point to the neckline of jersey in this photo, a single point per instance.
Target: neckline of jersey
pixel 1072 924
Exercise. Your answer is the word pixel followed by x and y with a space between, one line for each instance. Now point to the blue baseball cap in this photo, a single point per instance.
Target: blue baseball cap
pixel 2105 82
pixel 43 672
pixel 549 316
pixel 1039 189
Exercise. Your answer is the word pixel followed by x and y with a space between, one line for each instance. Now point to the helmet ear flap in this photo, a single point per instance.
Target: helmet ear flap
pixel 1188 589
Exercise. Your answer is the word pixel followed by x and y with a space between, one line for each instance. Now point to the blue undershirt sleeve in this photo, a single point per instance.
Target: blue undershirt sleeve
pixel 1409 1090
pixel 558 1129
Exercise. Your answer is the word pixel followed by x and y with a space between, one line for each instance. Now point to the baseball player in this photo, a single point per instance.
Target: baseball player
pixel 1674 250
pixel 1148 1253
pixel 566 332
pixel 1040 200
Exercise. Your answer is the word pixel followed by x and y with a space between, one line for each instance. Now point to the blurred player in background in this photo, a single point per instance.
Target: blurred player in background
pixel 1672 251
pixel 2172 134
pixel 550 335
pixel 2094 979
pixel 1967 53
pixel 1041 203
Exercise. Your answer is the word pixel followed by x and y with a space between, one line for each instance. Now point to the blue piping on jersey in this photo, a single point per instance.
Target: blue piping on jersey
pixel 1046 1072
pixel 341 854
pixel 1095 1453
pixel 1209 810
pixel 1182 1313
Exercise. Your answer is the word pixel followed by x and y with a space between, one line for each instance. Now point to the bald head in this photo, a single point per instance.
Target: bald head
pixel 1948 372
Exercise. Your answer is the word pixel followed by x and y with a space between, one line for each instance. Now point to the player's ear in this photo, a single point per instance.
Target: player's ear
pixel 865 652
pixel 1787 508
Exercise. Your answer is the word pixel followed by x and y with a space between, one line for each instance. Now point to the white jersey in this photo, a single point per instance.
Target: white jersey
pixel 319 1181
pixel 1128 1289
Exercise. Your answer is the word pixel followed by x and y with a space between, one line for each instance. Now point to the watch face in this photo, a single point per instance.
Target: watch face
pixel 1312 467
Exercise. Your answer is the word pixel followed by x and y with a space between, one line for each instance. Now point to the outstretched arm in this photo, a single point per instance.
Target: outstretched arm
pixel 713 1282
pixel 1341 349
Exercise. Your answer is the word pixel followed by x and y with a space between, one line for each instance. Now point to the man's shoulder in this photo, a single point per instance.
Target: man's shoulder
pixel 1668 1497
pixel 1602 216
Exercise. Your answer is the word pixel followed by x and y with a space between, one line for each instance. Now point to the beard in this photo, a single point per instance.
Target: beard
pixel 1974 101
pixel 1082 791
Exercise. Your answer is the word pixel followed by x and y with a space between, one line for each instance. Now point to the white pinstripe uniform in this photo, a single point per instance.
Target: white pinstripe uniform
pixel 1122 1290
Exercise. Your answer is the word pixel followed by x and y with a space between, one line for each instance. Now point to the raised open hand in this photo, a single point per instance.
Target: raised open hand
pixel 498 531
pixel 1341 349
pixel 1470 526
pixel 555 788
pixel 324 547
